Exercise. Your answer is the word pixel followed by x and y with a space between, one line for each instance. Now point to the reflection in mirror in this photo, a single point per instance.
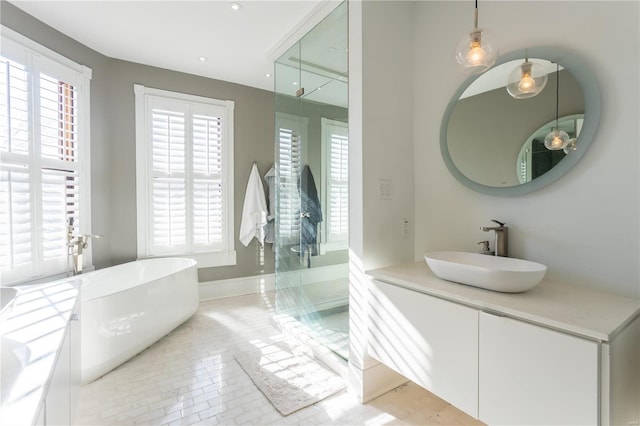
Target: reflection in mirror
pixel 484 128
pixel 534 159
pixel 487 126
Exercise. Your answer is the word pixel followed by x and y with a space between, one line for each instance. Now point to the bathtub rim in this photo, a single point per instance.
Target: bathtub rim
pixel 189 263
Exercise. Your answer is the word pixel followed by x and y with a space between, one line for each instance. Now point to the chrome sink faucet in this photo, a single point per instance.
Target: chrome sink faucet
pixel 502 246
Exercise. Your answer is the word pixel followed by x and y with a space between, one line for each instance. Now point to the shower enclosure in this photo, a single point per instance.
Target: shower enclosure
pixel 311 150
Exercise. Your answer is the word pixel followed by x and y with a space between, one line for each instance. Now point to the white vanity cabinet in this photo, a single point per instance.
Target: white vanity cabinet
pixel 553 355
pixel 533 375
pixel 45 320
pixel 432 342
pixel 62 394
pixel 57 399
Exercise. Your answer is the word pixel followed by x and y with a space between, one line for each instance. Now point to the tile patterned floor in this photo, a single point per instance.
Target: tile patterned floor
pixel 191 377
pixel 329 329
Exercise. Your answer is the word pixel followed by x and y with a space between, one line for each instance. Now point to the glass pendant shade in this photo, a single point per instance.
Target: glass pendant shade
pixel 556 140
pixel 571 146
pixel 527 80
pixel 476 51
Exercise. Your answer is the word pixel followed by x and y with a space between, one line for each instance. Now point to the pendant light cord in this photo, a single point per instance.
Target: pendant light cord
pixel 557 93
pixel 475 16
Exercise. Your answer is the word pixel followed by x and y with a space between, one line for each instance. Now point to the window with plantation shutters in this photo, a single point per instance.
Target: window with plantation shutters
pixel 44 148
pixel 184 157
pixel 335 183
pixel 291 132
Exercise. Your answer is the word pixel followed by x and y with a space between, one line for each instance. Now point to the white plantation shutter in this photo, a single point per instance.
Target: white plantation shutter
pixel 335 182
pixel 45 152
pixel 168 180
pixel 15 218
pixel 59 151
pixel 184 156
pixel 208 211
pixel 338 187
pixel 14 102
pixel 15 192
pixel 60 201
pixel 292 132
pixel 290 169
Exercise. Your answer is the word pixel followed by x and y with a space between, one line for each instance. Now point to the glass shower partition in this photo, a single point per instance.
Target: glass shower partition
pixel 311 149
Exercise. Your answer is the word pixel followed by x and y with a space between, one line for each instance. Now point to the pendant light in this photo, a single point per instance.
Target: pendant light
pixel 571 146
pixel 556 139
pixel 527 80
pixel 476 51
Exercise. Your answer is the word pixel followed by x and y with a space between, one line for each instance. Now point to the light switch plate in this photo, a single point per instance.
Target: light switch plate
pixel 385 189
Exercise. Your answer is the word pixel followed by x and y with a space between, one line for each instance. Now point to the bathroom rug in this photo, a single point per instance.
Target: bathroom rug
pixel 289 378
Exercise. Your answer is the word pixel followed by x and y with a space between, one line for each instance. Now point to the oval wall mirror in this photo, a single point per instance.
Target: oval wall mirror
pixel 485 130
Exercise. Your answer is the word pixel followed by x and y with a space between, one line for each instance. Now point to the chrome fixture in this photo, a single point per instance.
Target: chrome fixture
pixel 76 244
pixel 485 248
pixel 476 52
pixel 556 139
pixel 501 247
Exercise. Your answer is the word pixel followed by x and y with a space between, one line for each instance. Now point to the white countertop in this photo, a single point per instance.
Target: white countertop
pixel 584 312
pixel 39 321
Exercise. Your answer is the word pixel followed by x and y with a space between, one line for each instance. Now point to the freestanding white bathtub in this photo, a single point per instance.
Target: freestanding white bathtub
pixel 128 307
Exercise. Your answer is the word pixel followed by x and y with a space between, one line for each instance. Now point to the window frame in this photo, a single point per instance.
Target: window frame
pixel 328 242
pixel 39 59
pixel 300 125
pixel 205 258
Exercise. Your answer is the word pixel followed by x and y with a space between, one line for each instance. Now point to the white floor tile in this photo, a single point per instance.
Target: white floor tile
pixel 191 377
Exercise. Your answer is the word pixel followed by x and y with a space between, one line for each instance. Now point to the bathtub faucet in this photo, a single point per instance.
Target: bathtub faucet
pixel 76 244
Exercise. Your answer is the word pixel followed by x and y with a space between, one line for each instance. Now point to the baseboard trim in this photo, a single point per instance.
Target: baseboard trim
pixel 373 381
pixel 380 379
pixel 219 289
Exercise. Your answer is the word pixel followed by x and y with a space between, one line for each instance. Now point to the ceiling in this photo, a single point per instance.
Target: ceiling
pixel 319 63
pixel 240 46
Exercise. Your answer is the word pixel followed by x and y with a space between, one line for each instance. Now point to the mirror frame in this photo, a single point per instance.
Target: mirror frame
pixel 587 81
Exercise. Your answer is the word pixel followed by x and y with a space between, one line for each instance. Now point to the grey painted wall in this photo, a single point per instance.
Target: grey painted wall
pixel 254 133
pixel 113 142
pixel 14 18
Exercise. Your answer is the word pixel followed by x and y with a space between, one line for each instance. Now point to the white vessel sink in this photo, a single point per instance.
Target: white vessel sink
pixel 495 273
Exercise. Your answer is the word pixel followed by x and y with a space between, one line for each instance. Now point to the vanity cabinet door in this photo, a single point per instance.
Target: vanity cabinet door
pixel 74 361
pixel 58 397
pixel 430 341
pixel 533 375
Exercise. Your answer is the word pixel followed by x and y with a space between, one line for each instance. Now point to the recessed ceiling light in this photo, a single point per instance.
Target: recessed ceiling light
pixel 295 83
pixel 236 6
pixel 267 75
pixel 202 58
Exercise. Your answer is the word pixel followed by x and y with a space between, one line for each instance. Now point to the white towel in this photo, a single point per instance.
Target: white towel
pixel 254 211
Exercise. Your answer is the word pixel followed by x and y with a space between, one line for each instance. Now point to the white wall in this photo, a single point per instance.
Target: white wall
pixel 380 147
pixel 387 133
pixel 585 227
